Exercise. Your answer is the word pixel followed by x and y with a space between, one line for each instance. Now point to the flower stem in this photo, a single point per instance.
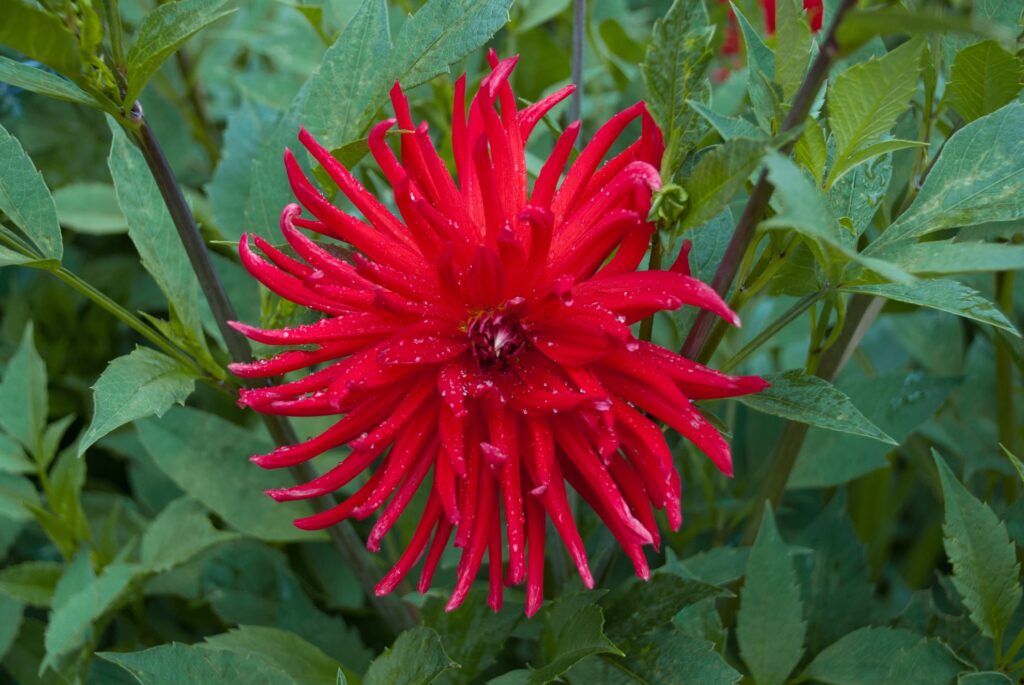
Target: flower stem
pixel 759 197
pixel 397 615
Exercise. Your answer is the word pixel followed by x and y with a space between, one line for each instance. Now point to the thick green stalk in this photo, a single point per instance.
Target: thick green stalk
pixel 393 611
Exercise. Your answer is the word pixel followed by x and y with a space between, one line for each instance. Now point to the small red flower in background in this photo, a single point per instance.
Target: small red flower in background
pixel 484 337
pixel 731 44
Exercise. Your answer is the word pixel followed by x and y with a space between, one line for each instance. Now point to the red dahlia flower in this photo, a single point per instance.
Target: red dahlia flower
pixel 483 336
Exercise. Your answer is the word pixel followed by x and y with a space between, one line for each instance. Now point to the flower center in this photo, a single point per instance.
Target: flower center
pixel 495 337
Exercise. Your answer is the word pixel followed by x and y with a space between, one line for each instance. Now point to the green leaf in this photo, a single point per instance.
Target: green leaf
pixel 864 656
pixel 416 658
pixel 180 532
pixel 898 402
pixel 801 397
pixel 10 622
pixel 926 663
pixel 979 177
pixel 25 199
pixel 950 256
pixel 23 395
pixel 31 582
pixel 152 231
pixel 473 635
pixel 984 678
pixel 639 607
pixel 209 459
pixel 12 457
pixel 674 69
pixel 573 630
pixel 161 33
pixel 175 664
pixel 985 568
pixel 42 82
pixel 11 258
pixel 143 383
pixel 859 194
pixel 38 34
pixel 248 583
pixel 90 208
pixel 718 176
pixel 804 208
pixel 341 98
pixel 865 101
pixel 769 626
pixel 839 596
pixel 71 622
pixel 727 127
pixel 944 295
pixel 863 24
pixel 986 76
pixel 811 150
pixel 305 663
pixel 793 46
pixel 669 656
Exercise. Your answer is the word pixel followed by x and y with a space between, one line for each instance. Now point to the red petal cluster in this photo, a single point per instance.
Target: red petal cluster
pixel 482 336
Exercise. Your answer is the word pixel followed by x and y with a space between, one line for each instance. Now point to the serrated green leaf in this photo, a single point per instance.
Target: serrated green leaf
pixel 951 257
pixel 639 607
pixel 718 176
pixel 25 199
pixel 669 656
pixel 42 82
pixel 769 626
pixel 801 397
pixel 23 395
pixel 811 151
pixel 573 630
pixel 865 101
pixel 861 657
pixel 40 35
pixel 161 33
pixel 728 127
pixel 305 663
pixel 473 635
pixel 859 194
pixel 208 458
pixel 674 69
pixel 143 383
pixel 945 295
pixel 838 594
pixel 979 177
pixel 174 664
pixel 986 76
pixel 416 658
pixel 985 568
pixel 180 532
pixel 793 46
pixel 152 231
pixel 804 208
pixel 90 208
pixel 31 582
pixel 71 622
pixel 927 663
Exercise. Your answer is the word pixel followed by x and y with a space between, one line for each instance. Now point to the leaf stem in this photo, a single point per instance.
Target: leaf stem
pixel 579 33
pixel 756 205
pixel 397 615
pixel 1004 366
pixel 772 329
